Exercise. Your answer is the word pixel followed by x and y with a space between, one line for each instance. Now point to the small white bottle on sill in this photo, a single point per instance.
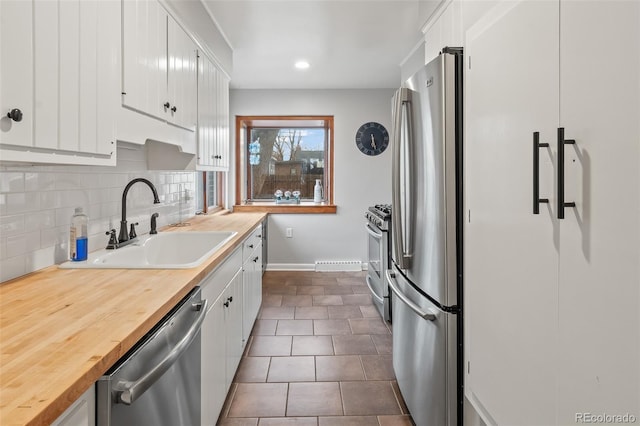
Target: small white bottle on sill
pixel 317 192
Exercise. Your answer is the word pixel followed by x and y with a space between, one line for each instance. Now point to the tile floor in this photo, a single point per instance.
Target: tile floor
pixel 319 355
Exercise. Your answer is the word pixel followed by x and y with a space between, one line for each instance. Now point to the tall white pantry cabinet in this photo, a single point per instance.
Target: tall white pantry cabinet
pixel 552 299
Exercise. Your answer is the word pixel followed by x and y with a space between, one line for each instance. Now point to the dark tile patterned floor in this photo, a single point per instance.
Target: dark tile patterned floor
pixel 319 355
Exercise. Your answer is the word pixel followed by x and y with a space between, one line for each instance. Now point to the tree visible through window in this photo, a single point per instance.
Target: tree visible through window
pixel 287 154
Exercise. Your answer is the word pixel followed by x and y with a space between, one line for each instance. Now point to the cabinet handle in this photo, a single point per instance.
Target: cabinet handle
pixel 15 114
pixel 250 245
pixel 166 105
pixel 256 259
pixel 536 172
pixel 561 143
pixel 174 109
pixel 226 304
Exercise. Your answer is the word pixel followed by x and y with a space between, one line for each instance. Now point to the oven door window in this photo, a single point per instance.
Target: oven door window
pixel 375 253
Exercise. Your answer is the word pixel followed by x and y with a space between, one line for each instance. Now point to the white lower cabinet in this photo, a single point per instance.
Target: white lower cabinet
pixel 221 334
pixel 234 292
pixel 81 413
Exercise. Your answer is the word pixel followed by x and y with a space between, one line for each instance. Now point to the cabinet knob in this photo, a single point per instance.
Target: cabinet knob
pixel 166 105
pixel 174 109
pixel 15 114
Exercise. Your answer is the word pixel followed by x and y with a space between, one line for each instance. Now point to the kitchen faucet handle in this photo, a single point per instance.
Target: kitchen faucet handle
pixel 132 231
pixel 154 223
pixel 113 241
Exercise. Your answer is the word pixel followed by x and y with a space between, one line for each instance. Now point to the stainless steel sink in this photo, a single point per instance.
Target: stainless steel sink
pixel 168 250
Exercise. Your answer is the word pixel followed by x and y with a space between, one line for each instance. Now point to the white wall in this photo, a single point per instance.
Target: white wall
pixel 360 181
pixel 37 202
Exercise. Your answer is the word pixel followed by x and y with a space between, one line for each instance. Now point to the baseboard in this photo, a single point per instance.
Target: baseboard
pixel 299 267
pixel 291 267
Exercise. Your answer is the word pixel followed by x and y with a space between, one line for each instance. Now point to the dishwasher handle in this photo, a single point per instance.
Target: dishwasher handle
pixel 429 315
pixel 128 391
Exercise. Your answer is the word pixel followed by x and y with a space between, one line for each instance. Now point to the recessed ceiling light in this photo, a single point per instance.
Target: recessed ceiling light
pixel 302 65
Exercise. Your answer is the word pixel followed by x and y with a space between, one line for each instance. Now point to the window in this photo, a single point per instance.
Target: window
pixel 209 187
pixel 284 154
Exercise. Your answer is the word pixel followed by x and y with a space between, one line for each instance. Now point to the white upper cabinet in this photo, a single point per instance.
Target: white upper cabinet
pixel 213 117
pixel 59 81
pixel 159 65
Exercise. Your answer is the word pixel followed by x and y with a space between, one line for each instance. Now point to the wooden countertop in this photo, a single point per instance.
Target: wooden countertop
pixel 61 329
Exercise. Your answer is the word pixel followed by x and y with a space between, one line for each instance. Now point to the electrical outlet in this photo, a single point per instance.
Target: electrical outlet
pixel 289 233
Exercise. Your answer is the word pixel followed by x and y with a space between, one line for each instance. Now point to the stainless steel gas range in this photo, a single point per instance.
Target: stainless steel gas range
pixel 378 227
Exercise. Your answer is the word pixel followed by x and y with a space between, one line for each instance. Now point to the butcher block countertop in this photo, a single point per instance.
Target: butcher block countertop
pixel 61 329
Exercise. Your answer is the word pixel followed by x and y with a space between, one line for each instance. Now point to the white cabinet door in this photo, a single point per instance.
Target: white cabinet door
pixel 600 237
pixel 60 68
pixel 214 371
pixel 16 71
pixel 222 124
pixel 511 259
pixel 144 57
pixel 207 110
pixel 252 290
pixel 233 321
pixel 181 77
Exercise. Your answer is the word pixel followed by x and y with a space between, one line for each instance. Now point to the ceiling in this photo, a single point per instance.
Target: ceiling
pixel 348 43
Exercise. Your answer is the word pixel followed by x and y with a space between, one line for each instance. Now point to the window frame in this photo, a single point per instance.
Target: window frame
pixel 244 124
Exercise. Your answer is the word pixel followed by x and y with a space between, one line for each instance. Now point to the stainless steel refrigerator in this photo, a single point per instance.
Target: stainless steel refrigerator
pixel 426 271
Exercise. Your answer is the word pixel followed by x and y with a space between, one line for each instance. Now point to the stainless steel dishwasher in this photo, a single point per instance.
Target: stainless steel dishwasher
pixel 158 382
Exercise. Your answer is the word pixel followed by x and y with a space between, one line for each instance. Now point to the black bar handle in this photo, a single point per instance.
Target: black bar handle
pixel 536 172
pixel 561 143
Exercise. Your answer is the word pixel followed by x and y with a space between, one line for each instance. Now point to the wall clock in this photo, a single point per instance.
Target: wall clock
pixel 372 138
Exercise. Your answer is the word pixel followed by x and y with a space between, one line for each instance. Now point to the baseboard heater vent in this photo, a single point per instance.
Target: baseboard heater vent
pixel 338 265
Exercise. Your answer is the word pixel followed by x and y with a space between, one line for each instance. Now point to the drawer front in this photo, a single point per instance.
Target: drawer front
pixel 251 243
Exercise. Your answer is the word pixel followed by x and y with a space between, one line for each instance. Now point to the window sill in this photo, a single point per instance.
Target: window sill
pixel 272 207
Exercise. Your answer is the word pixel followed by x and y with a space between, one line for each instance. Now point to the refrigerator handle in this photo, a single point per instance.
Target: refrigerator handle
pixel 429 316
pixel 401 179
pixel 536 172
pixel 561 143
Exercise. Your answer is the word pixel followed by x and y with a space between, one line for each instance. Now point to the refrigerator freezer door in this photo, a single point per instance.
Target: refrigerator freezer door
pixel 425 187
pixel 424 354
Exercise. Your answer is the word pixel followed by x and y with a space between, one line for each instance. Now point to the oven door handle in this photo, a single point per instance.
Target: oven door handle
pixel 373 293
pixel 126 392
pixel 372 232
pixel 429 315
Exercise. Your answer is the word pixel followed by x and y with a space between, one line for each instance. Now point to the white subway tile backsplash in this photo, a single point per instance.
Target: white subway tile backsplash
pixel 11 182
pixel 36 205
pixel 12 267
pixel 40 219
pixel 39 259
pixel 11 225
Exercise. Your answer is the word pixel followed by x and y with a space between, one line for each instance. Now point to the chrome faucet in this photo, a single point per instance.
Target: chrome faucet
pixel 124 238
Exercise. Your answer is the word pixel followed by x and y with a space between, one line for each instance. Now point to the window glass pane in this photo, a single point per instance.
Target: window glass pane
pixel 199 192
pixel 286 159
pixel 212 183
pixel 206 185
